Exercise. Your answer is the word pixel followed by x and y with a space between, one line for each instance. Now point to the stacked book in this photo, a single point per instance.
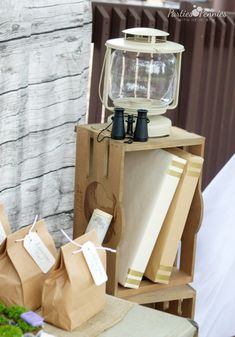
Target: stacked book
pixel 159 186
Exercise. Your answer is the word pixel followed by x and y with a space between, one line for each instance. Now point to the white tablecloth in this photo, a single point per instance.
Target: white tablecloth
pixel 145 322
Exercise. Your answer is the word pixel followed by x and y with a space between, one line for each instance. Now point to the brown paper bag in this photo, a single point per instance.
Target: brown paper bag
pixel 21 280
pixel 70 296
pixel 5 229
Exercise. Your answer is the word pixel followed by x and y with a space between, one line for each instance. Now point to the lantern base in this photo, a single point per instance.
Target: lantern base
pixel 159 126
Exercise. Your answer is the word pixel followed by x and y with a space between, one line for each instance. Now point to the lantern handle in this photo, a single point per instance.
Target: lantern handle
pixel 100 83
pixel 101 77
pixel 174 104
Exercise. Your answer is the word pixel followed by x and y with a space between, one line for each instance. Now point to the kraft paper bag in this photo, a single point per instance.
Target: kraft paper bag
pixel 21 279
pixel 5 229
pixel 70 296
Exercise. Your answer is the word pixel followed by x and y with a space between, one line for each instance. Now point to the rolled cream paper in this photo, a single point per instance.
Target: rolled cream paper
pixel 100 222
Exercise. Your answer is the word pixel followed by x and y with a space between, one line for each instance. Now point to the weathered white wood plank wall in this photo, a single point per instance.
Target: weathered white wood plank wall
pixel 44 60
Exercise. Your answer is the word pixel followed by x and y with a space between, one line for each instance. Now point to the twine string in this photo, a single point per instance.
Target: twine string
pixel 30 230
pixel 81 248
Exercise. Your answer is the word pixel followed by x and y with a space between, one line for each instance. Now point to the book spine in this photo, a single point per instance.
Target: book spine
pixel 160 265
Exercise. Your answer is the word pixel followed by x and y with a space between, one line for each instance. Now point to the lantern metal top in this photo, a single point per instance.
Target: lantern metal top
pixel 145 31
pixel 145 40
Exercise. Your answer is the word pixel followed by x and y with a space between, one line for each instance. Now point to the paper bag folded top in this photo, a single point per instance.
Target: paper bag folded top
pixel 4 225
pixel 21 280
pixel 70 296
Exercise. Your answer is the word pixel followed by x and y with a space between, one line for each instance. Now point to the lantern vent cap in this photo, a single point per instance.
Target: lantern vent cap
pixel 145 40
pixel 145 35
pixel 145 32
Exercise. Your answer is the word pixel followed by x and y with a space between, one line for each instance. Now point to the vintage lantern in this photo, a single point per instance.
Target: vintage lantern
pixel 142 71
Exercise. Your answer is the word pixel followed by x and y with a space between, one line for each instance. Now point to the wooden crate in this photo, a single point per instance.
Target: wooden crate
pixel 179 301
pixel 99 184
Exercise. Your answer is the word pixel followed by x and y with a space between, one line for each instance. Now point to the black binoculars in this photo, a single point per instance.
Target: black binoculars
pixel 141 129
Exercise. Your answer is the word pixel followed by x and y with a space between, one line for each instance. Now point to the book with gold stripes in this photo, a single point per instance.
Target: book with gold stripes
pixel 165 250
pixel 150 181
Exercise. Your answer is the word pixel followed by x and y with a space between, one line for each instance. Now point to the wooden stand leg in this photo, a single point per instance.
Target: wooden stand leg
pixel 188 307
pixel 159 306
pixel 174 307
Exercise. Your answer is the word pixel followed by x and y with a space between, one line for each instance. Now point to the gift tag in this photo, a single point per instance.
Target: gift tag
pixel 2 233
pixel 39 252
pixel 94 263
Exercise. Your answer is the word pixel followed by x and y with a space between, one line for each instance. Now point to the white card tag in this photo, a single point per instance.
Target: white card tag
pixel 2 233
pixel 94 263
pixel 39 252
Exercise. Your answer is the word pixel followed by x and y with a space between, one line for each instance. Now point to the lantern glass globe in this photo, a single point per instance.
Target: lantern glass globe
pixel 141 80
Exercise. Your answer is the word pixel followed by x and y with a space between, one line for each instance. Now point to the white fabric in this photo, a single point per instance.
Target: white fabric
pixel 215 259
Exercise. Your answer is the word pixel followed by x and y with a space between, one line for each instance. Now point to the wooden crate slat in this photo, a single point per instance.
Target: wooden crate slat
pixel 118 23
pixel 101 29
pixel 148 19
pixel 133 18
pixel 161 295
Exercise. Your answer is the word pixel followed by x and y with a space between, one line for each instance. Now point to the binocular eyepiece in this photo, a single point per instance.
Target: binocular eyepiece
pixel 118 129
pixel 141 129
